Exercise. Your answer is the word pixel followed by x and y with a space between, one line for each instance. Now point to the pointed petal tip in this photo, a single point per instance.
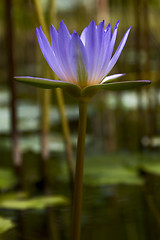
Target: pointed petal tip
pixel 62 24
pixel 101 23
pixel 117 23
pixel 38 29
pixel 92 23
pixel 129 29
pixel 52 28
pixel 147 81
pixel 74 32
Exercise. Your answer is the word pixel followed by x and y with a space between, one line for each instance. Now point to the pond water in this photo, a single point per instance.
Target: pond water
pixel 121 196
pixel 121 199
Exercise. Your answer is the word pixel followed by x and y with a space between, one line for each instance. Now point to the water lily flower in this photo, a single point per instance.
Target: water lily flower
pixel 82 63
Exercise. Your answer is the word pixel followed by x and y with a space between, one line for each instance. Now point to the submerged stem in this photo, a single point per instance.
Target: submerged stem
pixel 78 187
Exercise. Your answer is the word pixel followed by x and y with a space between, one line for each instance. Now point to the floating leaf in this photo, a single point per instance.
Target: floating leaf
pixel 112 175
pixel 7 179
pixel 109 169
pixel 151 167
pixel 35 203
pixel 5 225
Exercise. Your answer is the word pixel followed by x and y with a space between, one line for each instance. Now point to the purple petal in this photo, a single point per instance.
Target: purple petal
pixel 48 52
pixel 55 47
pixel 112 42
pixel 108 27
pixel 78 60
pixel 104 51
pixel 54 40
pixel 83 36
pixel 112 77
pixel 118 52
pixel 100 32
pixel 109 50
pixel 100 35
pixel 64 39
pixel 113 39
pixel 91 48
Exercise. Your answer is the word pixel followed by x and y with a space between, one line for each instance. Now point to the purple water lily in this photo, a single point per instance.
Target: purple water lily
pixel 82 63
pixel 83 60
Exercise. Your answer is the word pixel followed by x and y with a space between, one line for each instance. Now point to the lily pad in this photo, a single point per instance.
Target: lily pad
pixel 152 167
pixel 5 225
pixel 35 203
pixel 7 179
pixel 112 175
pixel 111 169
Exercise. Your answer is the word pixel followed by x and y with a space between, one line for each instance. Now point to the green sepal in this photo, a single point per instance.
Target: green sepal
pixel 90 91
pixel 76 91
pixel 71 88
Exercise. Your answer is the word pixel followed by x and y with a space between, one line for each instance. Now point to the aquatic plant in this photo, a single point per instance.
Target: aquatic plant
pixel 82 64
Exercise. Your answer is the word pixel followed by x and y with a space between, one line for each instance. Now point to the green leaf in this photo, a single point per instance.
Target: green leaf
pixel 153 168
pixel 112 175
pixel 114 86
pixel 35 203
pixel 7 178
pixel 71 88
pixel 5 225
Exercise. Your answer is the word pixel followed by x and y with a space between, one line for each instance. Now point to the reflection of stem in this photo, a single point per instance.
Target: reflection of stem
pixel 77 200
pixel 153 208
pixel 59 96
pixel 21 225
pixel 150 200
pixel 53 228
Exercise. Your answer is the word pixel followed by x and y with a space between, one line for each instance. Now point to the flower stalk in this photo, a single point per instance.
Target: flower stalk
pixel 78 187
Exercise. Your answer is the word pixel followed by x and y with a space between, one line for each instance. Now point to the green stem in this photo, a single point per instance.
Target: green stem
pixel 77 200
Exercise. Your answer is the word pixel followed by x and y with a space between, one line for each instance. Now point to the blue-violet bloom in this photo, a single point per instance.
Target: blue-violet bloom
pixel 82 63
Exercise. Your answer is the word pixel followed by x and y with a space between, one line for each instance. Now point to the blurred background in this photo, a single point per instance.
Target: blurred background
pixel 38 128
